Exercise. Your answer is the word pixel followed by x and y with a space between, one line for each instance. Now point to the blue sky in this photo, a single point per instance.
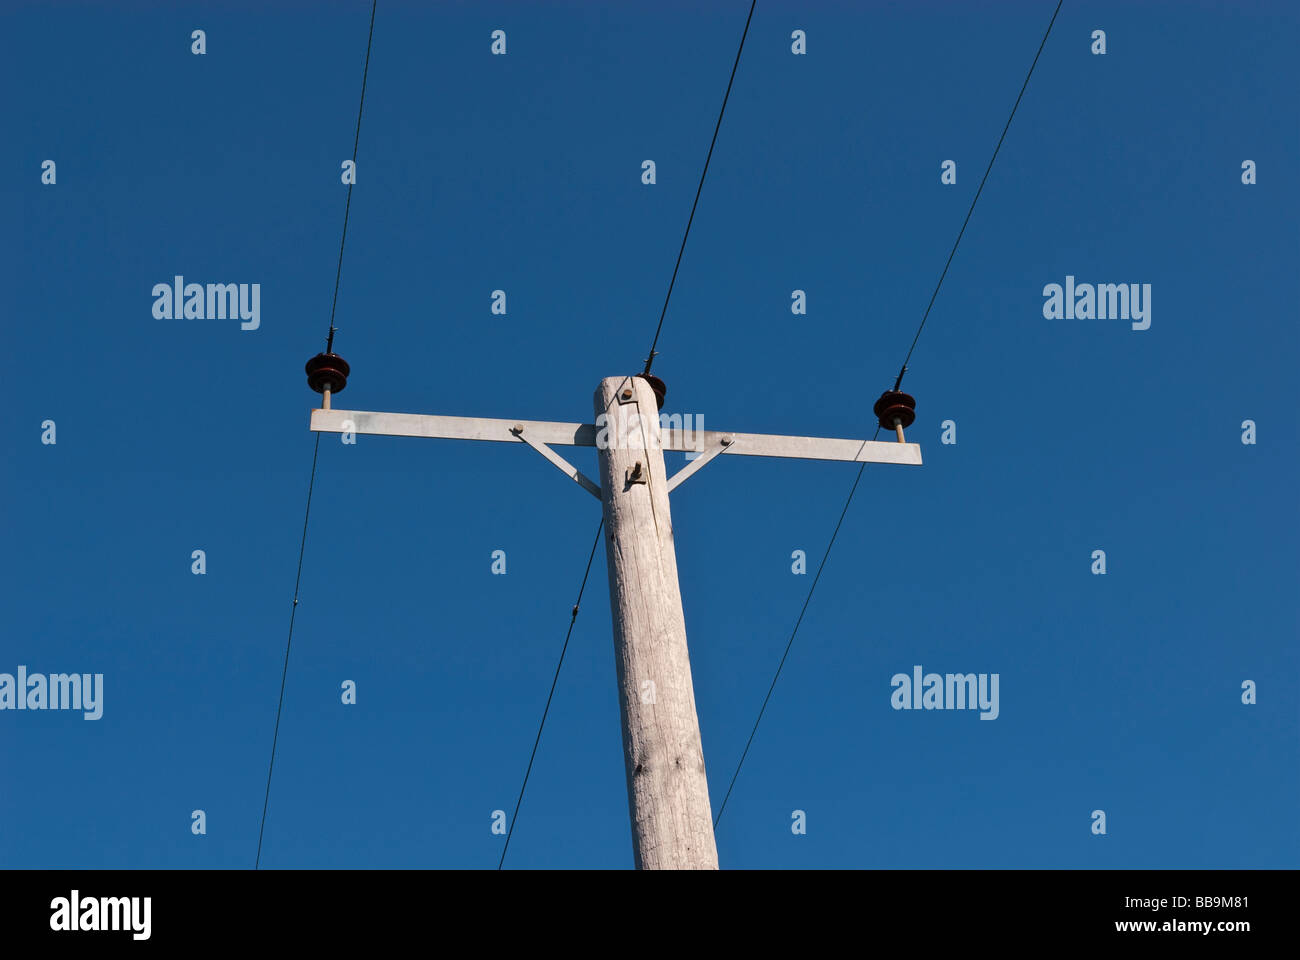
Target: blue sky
pixel 522 172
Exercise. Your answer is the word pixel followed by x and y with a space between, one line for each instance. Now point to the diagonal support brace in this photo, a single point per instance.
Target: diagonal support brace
pixel 721 445
pixel 568 469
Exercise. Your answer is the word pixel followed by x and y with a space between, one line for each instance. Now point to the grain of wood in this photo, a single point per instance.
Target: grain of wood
pixel 668 793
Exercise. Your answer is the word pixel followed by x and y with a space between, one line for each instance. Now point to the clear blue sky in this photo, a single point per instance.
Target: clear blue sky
pixel 522 172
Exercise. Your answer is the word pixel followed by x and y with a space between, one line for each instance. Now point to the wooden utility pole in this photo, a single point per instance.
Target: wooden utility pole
pixel 668 793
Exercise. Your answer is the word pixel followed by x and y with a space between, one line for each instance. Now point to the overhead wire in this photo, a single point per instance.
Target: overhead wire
pixel 953 252
pixel 510 830
pixel 311 483
pixel 691 219
pixel 347 206
pixel 897 385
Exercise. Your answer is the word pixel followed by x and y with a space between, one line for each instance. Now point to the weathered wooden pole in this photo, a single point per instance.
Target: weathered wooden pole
pixel 668 794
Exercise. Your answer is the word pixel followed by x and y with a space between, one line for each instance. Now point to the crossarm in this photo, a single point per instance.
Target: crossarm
pixel 584 435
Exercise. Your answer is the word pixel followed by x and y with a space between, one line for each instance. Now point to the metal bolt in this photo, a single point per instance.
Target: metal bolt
pixel 627 393
pixel 518 428
pixel 728 441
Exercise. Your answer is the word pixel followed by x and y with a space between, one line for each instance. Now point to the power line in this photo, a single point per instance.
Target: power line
pixel 311 483
pixel 897 384
pixel 302 547
pixel 790 643
pixel 987 170
pixel 650 359
pixel 572 620
pixel 347 206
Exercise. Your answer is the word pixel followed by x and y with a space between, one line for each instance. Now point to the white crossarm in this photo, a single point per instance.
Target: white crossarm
pixel 584 435
pixel 450 428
